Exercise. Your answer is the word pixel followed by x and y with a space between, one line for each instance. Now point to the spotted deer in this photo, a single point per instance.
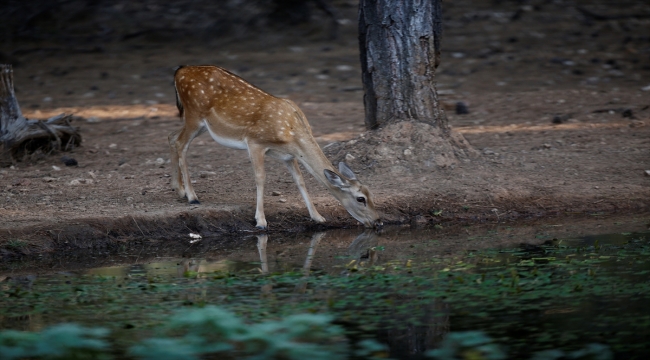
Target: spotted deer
pixel 241 116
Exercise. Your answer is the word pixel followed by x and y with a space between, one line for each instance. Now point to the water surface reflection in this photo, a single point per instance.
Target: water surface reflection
pixel 405 287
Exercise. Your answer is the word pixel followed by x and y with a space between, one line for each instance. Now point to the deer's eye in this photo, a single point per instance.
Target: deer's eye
pixel 361 199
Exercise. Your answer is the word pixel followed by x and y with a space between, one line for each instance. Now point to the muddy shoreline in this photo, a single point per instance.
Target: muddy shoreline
pixel 91 234
pixel 83 246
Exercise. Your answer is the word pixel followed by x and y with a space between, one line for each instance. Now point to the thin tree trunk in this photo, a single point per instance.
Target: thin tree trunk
pixel 399 41
pixel 20 136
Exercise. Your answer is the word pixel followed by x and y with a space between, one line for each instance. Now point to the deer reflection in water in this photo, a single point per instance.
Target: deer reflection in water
pixel 264 264
pixel 405 340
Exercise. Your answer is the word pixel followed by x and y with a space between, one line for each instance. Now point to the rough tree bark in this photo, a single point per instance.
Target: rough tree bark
pixel 399 43
pixel 20 136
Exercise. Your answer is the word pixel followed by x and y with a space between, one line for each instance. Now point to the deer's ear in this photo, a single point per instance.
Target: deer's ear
pixel 335 179
pixel 345 170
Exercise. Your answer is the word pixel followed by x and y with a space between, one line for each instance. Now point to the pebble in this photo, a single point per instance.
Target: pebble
pixel 636 123
pixel 646 88
pixel 68 161
pixel 461 108
pixel 276 193
pixel 349 157
pixel 283 200
pixel 647 173
pixel 560 118
pixel 81 182
pixel 56 168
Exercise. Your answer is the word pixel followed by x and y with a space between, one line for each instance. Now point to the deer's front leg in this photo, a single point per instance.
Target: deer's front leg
pixel 294 169
pixel 256 153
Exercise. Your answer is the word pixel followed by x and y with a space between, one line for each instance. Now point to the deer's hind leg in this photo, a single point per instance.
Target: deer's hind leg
pixel 179 143
pixel 176 179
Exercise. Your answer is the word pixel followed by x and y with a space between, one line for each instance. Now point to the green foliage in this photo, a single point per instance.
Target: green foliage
pixel 476 345
pixel 196 332
pixel 64 341
pixel 16 244
pixel 591 352
pixel 212 330
pixel 371 349
pixel 473 345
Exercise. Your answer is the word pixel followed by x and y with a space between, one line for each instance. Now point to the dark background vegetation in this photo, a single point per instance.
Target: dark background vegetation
pixel 91 23
pixel 94 22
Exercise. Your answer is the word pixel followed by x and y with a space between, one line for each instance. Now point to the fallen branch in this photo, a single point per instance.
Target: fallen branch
pixel 20 136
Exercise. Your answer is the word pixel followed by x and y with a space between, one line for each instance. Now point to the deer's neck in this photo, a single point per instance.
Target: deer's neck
pixel 313 159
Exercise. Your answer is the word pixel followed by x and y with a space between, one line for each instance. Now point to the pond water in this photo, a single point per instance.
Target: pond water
pixel 529 288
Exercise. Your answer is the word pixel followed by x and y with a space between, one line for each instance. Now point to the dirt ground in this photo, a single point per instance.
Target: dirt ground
pixel 559 111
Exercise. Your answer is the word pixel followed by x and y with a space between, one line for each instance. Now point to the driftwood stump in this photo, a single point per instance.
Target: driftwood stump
pixel 20 136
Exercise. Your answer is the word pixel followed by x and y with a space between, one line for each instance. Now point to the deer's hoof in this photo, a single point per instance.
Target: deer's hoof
pixel 195 202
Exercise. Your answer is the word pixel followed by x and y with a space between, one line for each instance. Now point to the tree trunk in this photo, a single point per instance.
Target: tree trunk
pixel 399 42
pixel 9 109
pixel 400 49
pixel 20 136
